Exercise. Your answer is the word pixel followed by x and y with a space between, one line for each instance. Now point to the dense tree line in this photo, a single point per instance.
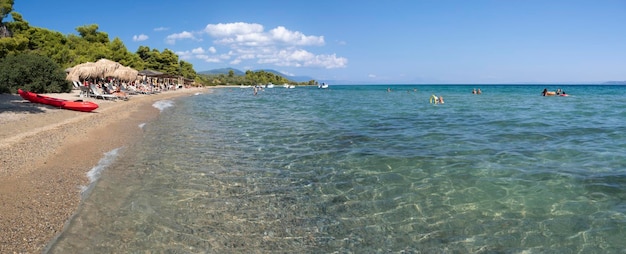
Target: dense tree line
pixel 250 78
pixel 18 38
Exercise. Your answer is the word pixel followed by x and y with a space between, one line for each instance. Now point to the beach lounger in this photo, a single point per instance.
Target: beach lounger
pixel 76 84
pixel 96 94
pixel 85 91
pixel 128 91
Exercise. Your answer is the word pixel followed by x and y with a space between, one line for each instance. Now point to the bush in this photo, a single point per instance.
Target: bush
pixel 33 73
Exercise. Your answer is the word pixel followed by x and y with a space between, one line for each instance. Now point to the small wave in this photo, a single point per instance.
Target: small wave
pixel 162 105
pixel 141 125
pixel 94 173
pixel 197 93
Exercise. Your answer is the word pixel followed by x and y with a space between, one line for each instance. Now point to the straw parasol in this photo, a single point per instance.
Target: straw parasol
pixel 124 73
pixel 101 69
pixel 83 71
pixel 107 66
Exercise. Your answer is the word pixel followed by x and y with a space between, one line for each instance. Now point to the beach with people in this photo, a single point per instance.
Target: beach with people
pixel 45 155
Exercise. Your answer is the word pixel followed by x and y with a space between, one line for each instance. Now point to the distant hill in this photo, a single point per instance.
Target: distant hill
pixel 222 71
pixel 615 82
pixel 293 78
pixel 241 73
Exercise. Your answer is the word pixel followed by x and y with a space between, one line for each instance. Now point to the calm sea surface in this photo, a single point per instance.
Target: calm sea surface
pixel 359 169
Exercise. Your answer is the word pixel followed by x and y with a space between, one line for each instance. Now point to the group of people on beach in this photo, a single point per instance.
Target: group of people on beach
pixel 113 90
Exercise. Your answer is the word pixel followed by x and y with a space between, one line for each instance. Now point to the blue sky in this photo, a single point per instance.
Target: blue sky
pixel 392 41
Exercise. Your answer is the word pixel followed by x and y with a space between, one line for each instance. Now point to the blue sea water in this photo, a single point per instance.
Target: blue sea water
pixel 357 169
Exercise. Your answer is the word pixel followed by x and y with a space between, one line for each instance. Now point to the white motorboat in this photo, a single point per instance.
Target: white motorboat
pixel 322 86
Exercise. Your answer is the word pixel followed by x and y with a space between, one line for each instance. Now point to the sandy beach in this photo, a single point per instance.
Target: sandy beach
pixel 45 154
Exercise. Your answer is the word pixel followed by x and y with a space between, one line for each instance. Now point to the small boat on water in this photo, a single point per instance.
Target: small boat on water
pixel 322 86
pixel 78 105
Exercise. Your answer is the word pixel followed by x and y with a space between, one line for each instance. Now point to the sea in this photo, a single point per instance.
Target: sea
pixel 365 169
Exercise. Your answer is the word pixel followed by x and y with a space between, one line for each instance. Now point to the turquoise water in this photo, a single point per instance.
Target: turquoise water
pixel 357 169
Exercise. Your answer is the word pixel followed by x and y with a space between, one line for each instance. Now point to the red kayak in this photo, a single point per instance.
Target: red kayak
pixel 78 105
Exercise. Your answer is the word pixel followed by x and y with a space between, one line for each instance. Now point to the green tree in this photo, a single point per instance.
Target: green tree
pixel 48 43
pixel 32 72
pixel 18 24
pixel 186 70
pixel 6 7
pixel 136 62
pixel 91 34
pixel 119 53
pixel 12 45
pixel 168 62
pixel 150 58
pixel 143 52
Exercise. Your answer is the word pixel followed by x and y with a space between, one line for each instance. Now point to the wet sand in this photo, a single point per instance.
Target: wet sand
pixel 45 154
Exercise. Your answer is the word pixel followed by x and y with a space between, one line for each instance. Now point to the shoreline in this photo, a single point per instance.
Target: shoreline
pixel 46 154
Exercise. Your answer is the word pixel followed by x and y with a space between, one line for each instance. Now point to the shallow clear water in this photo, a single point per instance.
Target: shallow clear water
pixel 358 169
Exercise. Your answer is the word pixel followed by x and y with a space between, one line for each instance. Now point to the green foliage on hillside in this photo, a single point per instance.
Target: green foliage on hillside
pixel 32 72
pixel 89 45
pixel 250 78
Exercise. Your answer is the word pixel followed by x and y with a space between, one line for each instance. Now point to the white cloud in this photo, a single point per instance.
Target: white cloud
pixel 141 37
pixel 159 29
pixel 302 58
pixel 209 59
pixel 171 39
pixel 225 30
pixel 249 42
pixel 371 76
pixel 198 51
pixel 185 55
pixel 297 38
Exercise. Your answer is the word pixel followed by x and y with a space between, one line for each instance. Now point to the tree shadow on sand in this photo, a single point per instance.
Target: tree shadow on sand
pixel 13 103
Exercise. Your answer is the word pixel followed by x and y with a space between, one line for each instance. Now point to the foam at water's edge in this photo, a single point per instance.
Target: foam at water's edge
pixel 162 105
pixel 94 173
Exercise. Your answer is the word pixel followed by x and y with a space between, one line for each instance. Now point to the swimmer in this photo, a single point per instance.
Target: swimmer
pixel 436 100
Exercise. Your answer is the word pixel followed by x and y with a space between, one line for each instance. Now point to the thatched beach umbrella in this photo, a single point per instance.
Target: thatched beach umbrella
pixel 107 66
pixel 84 71
pixel 123 73
pixel 101 69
